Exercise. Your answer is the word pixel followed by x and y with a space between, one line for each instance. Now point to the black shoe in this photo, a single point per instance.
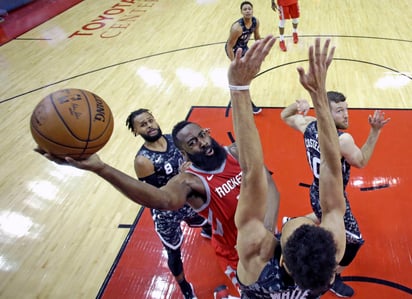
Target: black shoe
pixel 196 221
pixel 192 294
pixel 341 289
pixel 256 110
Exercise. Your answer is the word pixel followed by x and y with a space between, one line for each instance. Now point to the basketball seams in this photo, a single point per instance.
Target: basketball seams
pixel 59 133
pixel 67 126
pixel 85 96
pixel 110 126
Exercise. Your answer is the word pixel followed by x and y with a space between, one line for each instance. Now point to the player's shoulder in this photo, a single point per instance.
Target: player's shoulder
pixel 142 161
pixel 236 27
pixel 188 179
pixel 345 136
pixel 187 176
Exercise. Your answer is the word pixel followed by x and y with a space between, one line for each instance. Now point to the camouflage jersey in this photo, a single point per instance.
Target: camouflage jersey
pixel 310 136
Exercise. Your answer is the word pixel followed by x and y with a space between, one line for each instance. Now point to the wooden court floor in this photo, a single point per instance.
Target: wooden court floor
pixel 61 229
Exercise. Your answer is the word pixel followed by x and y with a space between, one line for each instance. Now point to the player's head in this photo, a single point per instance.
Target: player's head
pixel 198 146
pixel 308 254
pixel 142 122
pixel 339 109
pixel 246 8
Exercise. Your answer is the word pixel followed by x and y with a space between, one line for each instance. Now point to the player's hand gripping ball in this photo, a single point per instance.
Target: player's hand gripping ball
pixel 71 123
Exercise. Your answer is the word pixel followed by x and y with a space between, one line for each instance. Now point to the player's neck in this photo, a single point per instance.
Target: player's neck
pixel 247 21
pixel 160 145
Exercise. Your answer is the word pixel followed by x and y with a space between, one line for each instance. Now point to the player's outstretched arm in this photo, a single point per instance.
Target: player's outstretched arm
pixel 252 246
pixel 359 157
pixel 167 198
pixel 330 181
pixel 254 184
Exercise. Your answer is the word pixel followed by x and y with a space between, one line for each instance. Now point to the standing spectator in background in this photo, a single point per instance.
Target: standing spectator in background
pixel 240 34
pixel 156 162
pixel 288 9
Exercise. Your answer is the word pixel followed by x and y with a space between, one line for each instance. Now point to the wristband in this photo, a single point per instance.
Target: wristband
pixel 238 87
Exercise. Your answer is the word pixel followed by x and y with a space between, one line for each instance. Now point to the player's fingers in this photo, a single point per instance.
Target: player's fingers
pixel 325 49
pixel 330 57
pixel 73 162
pixel 258 49
pixel 301 72
pixel 39 150
pixel 238 54
pixel 317 49
pixel 269 41
pixel 54 159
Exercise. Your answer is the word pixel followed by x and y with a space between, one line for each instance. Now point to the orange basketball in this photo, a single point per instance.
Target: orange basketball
pixel 71 122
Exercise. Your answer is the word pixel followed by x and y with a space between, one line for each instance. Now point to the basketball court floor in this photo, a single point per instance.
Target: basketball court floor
pixel 65 233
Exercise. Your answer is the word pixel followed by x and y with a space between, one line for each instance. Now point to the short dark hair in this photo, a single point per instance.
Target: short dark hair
pixel 337 97
pixel 310 256
pixel 245 3
pixel 129 120
pixel 176 129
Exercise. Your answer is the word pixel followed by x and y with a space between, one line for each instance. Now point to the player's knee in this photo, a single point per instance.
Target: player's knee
pixel 350 252
pixel 282 23
pixel 295 21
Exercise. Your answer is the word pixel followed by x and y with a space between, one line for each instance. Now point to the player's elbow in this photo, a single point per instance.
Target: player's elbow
pixel 170 200
pixel 358 163
pixel 171 205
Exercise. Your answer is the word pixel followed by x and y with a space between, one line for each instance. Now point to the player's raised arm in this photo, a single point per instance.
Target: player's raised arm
pixel 254 184
pixel 330 181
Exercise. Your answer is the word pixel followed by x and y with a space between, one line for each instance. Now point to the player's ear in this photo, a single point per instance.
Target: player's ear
pixel 185 156
pixel 283 264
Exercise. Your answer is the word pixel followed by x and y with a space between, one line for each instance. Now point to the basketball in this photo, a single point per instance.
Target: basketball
pixel 71 122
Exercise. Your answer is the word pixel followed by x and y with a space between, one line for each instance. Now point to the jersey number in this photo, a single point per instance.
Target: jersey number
pixel 314 164
pixel 168 168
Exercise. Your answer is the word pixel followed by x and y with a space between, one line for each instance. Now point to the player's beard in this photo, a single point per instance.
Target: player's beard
pixel 342 126
pixel 208 163
pixel 152 138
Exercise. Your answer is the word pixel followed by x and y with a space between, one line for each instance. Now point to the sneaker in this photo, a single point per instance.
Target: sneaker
pixel 341 289
pixel 221 292
pixel 282 45
pixel 206 232
pixel 192 295
pixel 295 37
pixel 256 109
pixel 196 221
